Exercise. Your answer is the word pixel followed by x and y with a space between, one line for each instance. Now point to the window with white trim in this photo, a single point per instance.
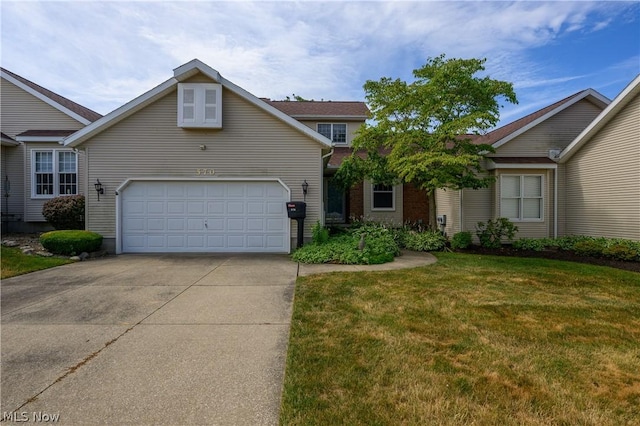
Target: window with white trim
pixel 521 197
pixel 336 132
pixel 200 105
pixel 382 197
pixel 53 173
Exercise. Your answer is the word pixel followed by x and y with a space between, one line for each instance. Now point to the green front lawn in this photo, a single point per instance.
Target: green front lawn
pixel 15 263
pixel 470 340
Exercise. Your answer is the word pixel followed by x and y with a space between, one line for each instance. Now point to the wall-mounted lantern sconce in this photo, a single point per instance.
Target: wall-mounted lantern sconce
pixel 305 189
pixel 99 188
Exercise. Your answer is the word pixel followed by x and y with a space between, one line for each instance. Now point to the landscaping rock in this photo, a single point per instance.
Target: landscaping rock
pixel 100 253
pixel 84 255
pixel 44 253
pixel 75 258
pixel 10 243
pixel 27 250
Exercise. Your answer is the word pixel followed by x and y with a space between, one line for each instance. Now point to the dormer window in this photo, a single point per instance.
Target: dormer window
pixel 336 132
pixel 200 105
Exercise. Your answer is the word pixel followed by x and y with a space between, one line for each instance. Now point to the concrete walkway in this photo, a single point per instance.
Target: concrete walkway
pixel 152 340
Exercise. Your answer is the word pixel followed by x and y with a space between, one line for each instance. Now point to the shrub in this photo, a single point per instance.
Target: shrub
pixel 461 240
pixel 65 212
pixel 319 234
pixel 492 232
pixel 622 250
pixel 535 244
pixel 71 242
pixel 425 241
pixel 589 247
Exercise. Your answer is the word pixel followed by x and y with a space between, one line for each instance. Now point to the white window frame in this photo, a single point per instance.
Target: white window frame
pixel 346 132
pixel 55 171
pixel 199 105
pixel 523 197
pixel 393 199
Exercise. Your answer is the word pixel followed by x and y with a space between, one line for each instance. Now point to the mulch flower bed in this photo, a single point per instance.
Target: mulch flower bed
pixel 554 254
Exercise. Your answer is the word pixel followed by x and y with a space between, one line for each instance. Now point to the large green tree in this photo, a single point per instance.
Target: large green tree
pixel 422 132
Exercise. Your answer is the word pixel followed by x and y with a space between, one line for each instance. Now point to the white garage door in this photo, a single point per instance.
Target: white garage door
pixel 204 216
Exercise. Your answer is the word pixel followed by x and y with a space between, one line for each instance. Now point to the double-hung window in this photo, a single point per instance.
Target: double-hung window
pixel 336 132
pixel 53 173
pixel 382 197
pixel 521 197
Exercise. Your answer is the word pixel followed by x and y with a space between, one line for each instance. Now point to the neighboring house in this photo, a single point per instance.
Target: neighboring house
pixel 198 164
pixel 556 172
pixel 35 167
pixel 602 172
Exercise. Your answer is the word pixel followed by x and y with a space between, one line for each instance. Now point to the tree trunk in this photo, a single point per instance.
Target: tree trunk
pixel 433 224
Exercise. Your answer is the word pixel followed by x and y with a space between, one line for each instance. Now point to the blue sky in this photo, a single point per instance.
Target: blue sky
pixel 104 54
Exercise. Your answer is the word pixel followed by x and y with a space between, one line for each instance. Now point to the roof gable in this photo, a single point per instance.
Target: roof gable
pixel 181 74
pixel 72 109
pixel 627 95
pixel 504 134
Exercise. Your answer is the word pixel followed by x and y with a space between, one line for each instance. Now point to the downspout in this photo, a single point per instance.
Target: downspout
pixel 555 202
pixel 322 182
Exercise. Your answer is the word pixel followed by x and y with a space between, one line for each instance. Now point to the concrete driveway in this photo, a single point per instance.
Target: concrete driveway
pixel 137 339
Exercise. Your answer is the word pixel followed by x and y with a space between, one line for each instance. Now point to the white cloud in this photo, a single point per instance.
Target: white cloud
pixel 104 54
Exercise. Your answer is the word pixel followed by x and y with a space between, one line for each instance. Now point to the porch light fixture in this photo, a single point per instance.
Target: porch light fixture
pixel 99 188
pixel 305 189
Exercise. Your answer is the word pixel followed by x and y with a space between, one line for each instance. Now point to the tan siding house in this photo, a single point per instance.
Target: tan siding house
pixel 171 187
pixel 603 172
pixel 34 119
pixel 529 187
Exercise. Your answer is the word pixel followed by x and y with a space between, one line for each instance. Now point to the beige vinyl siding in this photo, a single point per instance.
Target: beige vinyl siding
pixel 603 180
pixel 556 132
pixel 13 168
pixel 394 217
pixel 22 111
pixel 251 143
pixel 33 206
pixel 448 203
pixel 477 206
pixel 352 127
pixel 531 229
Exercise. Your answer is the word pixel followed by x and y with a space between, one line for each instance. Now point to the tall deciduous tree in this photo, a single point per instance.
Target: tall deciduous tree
pixel 421 132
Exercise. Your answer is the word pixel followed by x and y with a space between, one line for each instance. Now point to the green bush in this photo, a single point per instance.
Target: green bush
pixel 623 250
pixel 461 240
pixel 590 247
pixel 65 212
pixel 492 232
pixel 425 241
pixel 535 244
pixel 319 234
pixel 71 243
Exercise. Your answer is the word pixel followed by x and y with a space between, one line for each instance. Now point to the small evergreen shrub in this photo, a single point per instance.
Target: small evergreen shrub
pixel 425 241
pixel 623 250
pixel 65 212
pixel 70 242
pixel 535 244
pixel 492 232
pixel 461 240
pixel 591 247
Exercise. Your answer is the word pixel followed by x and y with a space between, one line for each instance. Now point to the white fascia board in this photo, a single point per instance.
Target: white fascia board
pixel 121 113
pixel 311 117
pixel 40 138
pixel 276 112
pixel 494 166
pixel 601 120
pixel 193 67
pixel 7 142
pixel 589 92
pixel 45 99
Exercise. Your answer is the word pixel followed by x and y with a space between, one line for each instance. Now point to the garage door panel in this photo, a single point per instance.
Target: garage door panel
pixel 204 217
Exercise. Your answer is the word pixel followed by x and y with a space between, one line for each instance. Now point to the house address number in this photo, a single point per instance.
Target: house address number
pixel 205 172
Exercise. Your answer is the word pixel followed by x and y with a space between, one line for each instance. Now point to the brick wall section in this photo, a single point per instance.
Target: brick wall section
pixel 356 201
pixel 415 205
